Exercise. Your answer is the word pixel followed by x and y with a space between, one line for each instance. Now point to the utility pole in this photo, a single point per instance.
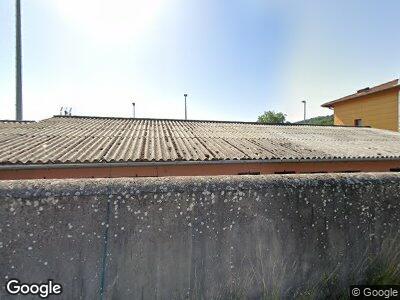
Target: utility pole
pixel 18 64
pixel 185 95
pixel 304 102
pixel 133 104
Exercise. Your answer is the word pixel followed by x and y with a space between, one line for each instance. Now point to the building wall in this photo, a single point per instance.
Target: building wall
pixel 398 110
pixel 380 110
pixel 202 169
pixel 231 237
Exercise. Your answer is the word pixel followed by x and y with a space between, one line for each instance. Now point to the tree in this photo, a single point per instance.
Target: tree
pixel 272 117
pixel 321 120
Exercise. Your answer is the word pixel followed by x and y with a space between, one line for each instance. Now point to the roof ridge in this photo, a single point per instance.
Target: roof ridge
pixel 396 81
pixel 16 121
pixel 204 121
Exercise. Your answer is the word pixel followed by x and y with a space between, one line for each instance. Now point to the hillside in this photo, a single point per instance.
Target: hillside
pixel 321 120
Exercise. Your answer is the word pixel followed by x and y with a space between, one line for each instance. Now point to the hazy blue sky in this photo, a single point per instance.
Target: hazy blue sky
pixel 234 58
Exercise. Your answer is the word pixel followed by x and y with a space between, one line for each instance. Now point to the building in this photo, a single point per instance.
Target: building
pixel 377 107
pixel 77 147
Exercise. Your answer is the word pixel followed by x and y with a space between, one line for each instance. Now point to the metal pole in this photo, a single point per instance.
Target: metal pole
pixel 185 107
pixel 134 113
pixel 304 102
pixel 18 64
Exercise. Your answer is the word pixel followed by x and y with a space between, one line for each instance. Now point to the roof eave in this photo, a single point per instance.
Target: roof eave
pixel 331 104
pixel 166 163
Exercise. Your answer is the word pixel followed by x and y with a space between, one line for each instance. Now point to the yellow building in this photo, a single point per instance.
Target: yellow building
pixel 377 107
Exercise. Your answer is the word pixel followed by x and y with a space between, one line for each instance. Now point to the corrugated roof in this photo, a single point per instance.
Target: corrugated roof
pixel 11 125
pixel 365 91
pixel 61 140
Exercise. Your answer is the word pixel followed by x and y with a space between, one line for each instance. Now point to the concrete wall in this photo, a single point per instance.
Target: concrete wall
pixel 197 238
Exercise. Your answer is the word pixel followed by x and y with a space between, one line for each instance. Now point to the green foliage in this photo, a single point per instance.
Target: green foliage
pixel 272 117
pixel 321 120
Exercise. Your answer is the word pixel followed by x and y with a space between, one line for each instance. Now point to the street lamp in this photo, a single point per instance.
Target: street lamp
pixel 185 95
pixel 304 102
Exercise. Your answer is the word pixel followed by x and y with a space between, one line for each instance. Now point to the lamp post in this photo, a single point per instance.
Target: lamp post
pixel 185 95
pixel 304 102
pixel 18 62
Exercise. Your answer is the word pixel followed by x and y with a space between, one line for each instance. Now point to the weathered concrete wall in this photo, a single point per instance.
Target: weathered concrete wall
pixel 198 238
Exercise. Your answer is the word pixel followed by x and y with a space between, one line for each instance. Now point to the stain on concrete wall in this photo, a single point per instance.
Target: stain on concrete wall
pixel 197 238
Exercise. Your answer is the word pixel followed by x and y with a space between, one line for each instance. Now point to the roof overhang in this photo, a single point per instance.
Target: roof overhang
pixel 392 85
pixel 188 163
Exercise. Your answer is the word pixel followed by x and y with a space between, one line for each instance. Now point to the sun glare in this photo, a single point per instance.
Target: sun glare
pixel 109 21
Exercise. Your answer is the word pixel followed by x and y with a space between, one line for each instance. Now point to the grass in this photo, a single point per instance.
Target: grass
pixel 270 276
pixel 383 268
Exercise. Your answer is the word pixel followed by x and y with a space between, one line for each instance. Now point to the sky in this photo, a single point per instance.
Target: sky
pixel 235 59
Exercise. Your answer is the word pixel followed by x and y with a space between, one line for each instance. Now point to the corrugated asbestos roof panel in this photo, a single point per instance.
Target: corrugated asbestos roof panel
pixel 95 140
pixel 10 125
